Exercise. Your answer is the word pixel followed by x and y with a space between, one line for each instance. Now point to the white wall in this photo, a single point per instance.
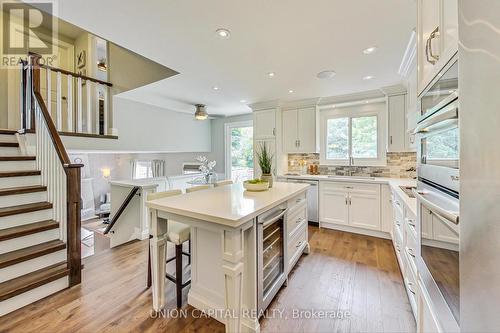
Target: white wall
pixel 218 138
pixel 147 128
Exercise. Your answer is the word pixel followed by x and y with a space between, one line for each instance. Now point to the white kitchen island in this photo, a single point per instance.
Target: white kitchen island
pixel 224 246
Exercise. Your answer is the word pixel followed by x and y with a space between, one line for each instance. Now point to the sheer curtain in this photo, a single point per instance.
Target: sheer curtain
pixel 158 168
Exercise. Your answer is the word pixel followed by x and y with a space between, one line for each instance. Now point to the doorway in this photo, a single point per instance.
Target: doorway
pixel 239 150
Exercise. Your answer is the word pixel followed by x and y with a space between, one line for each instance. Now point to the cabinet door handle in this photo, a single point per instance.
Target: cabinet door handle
pixel 410 287
pixel 390 139
pixel 431 58
pixel 410 251
pixel 411 223
pixel 350 200
pixel 346 199
pixel 274 131
pixel 298 245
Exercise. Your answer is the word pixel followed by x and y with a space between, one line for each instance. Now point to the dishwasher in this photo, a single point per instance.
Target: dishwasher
pixel 312 197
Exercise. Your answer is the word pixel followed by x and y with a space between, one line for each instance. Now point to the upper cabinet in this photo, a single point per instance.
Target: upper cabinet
pixel 437 38
pixel 300 130
pixel 397 123
pixel 264 122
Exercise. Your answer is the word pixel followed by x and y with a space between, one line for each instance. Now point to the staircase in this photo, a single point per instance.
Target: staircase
pixel 39 206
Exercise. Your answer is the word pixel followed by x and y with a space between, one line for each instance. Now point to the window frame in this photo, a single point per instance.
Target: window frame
pixel 227 144
pixel 149 169
pixel 379 110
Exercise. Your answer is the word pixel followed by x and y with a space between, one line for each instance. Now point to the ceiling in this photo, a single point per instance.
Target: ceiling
pixel 296 39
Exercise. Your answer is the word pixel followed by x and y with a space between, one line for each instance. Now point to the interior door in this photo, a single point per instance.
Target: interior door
pixel 290 131
pixel 333 206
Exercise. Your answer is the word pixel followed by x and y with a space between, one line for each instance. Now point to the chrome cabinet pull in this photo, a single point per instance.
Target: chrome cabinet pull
pixel 433 35
pixel 410 287
pixel 298 245
pixel 410 251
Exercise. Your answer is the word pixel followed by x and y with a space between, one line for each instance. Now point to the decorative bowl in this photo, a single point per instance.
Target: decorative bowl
pixel 258 187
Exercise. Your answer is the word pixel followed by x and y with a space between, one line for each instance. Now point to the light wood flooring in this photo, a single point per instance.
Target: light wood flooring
pixel 352 273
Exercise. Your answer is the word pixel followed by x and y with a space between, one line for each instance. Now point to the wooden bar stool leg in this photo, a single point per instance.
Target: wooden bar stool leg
pixel 178 273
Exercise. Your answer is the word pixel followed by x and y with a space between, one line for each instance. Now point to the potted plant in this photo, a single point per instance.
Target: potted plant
pixel 265 159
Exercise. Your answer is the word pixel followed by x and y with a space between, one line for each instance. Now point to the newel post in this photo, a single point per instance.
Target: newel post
pixel 74 223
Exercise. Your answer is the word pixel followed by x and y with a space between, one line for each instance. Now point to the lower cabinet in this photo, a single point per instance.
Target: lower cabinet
pixel 425 318
pixel 296 230
pixel 350 204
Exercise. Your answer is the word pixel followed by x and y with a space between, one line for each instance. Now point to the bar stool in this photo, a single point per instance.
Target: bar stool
pixel 177 233
pixel 224 182
pixel 197 188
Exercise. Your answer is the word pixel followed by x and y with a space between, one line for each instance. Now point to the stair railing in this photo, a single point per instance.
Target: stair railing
pixel 120 210
pixel 61 177
pixel 78 104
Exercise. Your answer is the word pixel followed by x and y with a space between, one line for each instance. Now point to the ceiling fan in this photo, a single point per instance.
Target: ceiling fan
pixel 201 113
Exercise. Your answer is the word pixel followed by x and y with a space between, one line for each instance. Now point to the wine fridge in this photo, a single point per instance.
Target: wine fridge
pixel 270 255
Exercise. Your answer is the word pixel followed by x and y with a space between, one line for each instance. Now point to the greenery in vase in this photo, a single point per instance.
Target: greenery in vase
pixel 265 159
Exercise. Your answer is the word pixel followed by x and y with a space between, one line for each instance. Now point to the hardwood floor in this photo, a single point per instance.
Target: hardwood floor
pixel 354 274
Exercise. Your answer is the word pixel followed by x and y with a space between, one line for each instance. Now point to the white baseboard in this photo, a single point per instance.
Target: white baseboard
pixel 346 228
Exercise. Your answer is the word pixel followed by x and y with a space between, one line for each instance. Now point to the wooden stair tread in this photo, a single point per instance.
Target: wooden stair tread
pixel 17 256
pixel 22 190
pixel 8 131
pixel 32 280
pixel 25 208
pixel 17 158
pixel 5 174
pixel 27 229
pixel 9 144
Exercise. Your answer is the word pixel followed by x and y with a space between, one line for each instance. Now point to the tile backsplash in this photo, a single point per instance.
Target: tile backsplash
pixel 399 165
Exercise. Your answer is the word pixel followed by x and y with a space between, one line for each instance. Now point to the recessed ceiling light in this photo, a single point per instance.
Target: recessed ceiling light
pixel 370 50
pixel 215 88
pixel 243 100
pixel 223 33
pixel 290 91
pixel 328 74
pixel 271 74
pixel 368 77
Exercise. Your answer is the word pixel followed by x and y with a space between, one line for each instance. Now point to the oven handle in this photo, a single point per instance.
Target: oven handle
pixel 450 112
pixel 435 209
pixel 274 219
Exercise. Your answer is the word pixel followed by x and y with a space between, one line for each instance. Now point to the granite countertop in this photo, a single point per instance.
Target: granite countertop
pixel 229 205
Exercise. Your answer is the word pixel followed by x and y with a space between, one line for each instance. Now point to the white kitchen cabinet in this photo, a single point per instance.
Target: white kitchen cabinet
pixel 353 204
pixel 300 132
pixel 425 317
pixel 437 37
pixel 426 227
pixel 333 204
pixel 412 113
pixel 397 123
pixel 443 231
pixel 264 122
pixel 364 208
pixel 387 213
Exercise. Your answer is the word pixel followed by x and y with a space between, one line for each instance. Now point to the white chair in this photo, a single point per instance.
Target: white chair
pixel 177 233
pixel 224 182
pixel 197 188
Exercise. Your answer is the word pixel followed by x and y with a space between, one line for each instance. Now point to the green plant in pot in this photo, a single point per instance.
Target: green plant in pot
pixel 265 159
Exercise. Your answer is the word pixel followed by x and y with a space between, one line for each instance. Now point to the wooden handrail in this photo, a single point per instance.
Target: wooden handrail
pixel 73 177
pixel 63 71
pixel 121 209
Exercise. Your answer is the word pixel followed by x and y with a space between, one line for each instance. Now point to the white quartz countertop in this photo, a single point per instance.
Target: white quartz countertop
pixel 143 183
pixel 394 183
pixel 229 205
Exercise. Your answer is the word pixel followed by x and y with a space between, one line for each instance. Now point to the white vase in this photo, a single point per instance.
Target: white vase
pixel 268 178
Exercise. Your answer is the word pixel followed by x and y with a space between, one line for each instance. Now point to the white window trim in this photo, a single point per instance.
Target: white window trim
pixel 333 113
pixel 227 143
pixel 142 161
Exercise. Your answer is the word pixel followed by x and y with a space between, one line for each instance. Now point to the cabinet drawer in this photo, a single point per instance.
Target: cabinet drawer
pixel 411 289
pixel 296 219
pixel 296 246
pixel 352 187
pixel 296 201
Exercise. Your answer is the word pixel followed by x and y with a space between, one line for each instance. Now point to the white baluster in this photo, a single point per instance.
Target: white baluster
pixel 70 104
pixel 79 106
pixel 59 101
pixel 89 108
pixel 49 90
pixel 106 110
pixel 97 113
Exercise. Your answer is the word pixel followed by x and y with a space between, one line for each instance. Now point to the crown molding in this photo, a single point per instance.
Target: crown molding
pixel 410 55
pixel 265 105
pixel 397 89
pixel 301 103
pixel 370 94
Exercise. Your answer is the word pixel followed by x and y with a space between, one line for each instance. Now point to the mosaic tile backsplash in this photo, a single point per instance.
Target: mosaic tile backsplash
pixel 399 165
